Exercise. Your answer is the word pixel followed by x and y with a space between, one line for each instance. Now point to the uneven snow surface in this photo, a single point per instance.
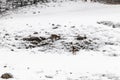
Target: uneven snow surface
pixel 61 41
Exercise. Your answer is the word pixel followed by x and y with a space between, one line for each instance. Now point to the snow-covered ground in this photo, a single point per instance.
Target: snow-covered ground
pixel 93 29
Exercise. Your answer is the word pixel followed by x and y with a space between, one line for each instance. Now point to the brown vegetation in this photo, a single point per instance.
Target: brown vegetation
pixel 6 76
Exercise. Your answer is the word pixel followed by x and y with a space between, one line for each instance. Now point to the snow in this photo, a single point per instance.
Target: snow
pixel 56 63
pixel 40 65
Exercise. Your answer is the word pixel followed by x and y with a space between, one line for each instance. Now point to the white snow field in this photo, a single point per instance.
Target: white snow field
pixel 29 50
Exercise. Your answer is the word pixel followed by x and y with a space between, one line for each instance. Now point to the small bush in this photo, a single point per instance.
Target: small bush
pixel 110 23
pixel 81 37
pixel 6 76
pixel 54 37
